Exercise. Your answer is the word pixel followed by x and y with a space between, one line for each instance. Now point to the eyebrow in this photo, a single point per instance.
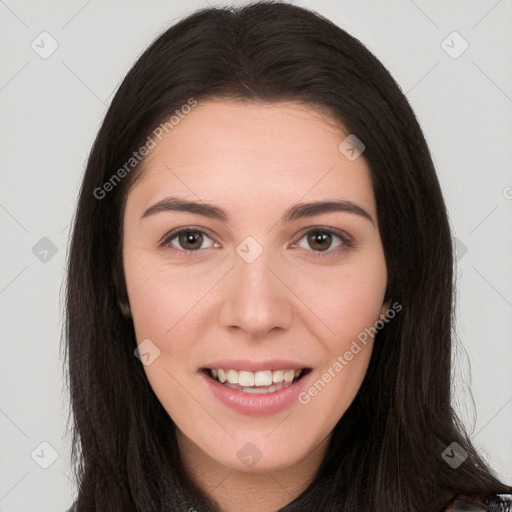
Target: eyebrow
pixel 298 211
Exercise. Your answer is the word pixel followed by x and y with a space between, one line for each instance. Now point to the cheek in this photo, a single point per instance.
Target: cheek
pixel 162 307
pixel 346 299
pixel 351 309
pixel 171 305
pixel 165 298
pixel 160 297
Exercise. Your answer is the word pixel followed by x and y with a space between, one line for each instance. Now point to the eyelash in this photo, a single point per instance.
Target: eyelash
pixel 346 240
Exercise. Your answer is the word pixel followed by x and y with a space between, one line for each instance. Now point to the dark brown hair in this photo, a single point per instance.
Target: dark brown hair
pixel 385 454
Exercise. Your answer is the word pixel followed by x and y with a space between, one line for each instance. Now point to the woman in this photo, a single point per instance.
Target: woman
pixel 260 284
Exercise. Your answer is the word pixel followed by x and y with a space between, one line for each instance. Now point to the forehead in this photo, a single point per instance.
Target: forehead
pixel 253 154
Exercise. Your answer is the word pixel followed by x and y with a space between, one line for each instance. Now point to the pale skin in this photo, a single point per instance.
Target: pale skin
pixel 294 301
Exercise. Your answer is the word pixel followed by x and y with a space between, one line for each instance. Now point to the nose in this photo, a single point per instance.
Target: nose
pixel 259 298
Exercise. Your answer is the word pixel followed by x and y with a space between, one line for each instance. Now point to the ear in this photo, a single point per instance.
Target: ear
pixel 384 308
pixel 125 309
pixel 386 303
pixel 120 289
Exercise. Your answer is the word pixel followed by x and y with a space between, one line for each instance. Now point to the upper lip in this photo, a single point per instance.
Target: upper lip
pixel 255 366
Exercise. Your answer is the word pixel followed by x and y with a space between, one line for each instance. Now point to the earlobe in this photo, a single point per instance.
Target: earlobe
pixel 125 309
pixel 384 308
pixel 386 302
pixel 120 290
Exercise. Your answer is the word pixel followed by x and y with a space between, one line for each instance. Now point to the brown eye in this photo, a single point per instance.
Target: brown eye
pixel 190 240
pixel 319 240
pixel 187 240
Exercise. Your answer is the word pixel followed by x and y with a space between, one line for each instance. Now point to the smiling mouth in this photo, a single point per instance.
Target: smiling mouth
pixel 266 381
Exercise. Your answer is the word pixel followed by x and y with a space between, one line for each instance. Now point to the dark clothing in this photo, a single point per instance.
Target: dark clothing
pixel 465 504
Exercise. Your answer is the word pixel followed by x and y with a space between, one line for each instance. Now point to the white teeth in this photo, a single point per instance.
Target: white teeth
pixel 262 378
pixel 247 379
pixel 269 389
pixel 289 375
pixel 277 376
pixel 232 376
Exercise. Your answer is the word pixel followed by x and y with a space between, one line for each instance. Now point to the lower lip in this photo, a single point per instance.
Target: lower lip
pixel 253 404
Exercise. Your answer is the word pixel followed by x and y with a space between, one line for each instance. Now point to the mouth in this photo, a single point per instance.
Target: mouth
pixel 258 382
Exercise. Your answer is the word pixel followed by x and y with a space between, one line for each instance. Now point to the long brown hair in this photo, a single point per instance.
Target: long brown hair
pixel 386 451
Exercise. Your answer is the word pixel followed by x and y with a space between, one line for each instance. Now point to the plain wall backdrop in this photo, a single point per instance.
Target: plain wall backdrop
pixel 62 61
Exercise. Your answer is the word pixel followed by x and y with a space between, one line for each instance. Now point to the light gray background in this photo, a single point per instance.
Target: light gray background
pixel 51 109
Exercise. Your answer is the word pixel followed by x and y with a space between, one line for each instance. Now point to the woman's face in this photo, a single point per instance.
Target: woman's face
pixel 252 286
